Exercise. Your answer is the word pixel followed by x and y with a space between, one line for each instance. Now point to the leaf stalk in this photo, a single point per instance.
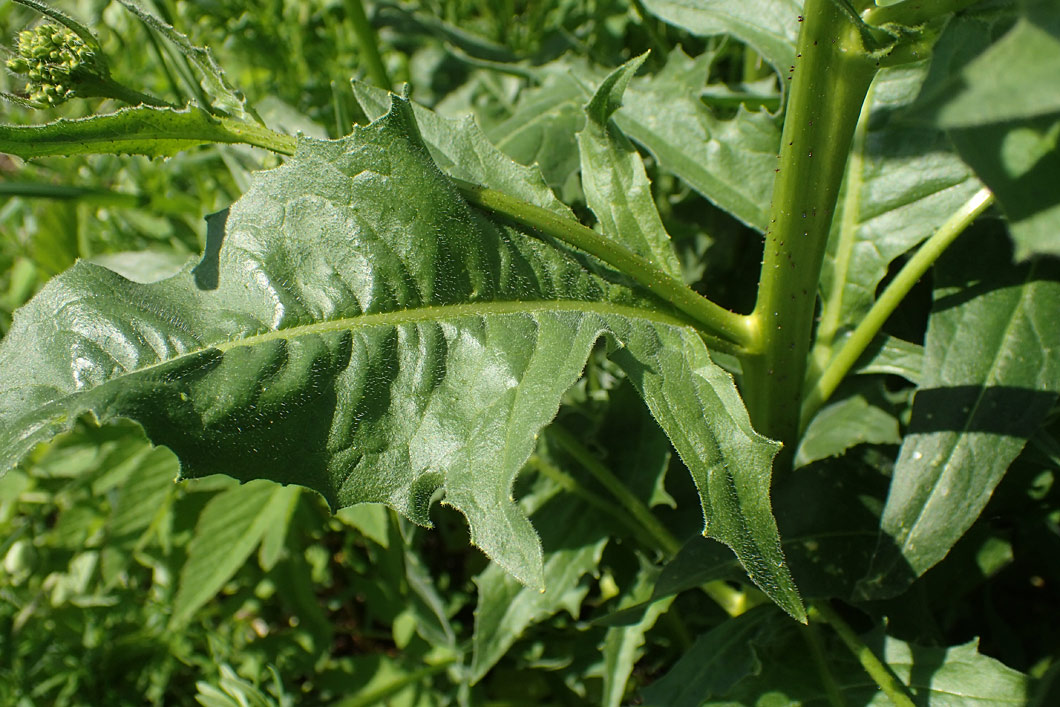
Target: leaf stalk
pixel 889 300
pixel 726 327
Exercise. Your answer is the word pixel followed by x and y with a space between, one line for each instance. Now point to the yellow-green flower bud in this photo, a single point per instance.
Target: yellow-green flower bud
pixel 55 60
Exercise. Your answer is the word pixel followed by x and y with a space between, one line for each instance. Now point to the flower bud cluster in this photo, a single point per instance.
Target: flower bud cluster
pixel 54 59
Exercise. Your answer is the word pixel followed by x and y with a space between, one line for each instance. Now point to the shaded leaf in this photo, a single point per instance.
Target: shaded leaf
pixel 713 665
pixel 958 675
pixel 622 642
pixel 573 541
pixel 858 415
pixel 992 85
pixel 991 374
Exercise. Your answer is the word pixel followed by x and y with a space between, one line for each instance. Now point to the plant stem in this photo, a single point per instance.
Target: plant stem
pixel 571 485
pixel 368 42
pixel 889 300
pixel 713 320
pixel 259 136
pixel 831 78
pixel 662 537
pixel 831 687
pixel 879 671
pixel 734 602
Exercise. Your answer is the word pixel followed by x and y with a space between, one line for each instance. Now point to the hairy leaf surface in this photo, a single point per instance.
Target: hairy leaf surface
pixel 356 328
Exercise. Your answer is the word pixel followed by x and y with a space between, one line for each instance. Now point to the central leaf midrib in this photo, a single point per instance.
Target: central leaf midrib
pixel 451 311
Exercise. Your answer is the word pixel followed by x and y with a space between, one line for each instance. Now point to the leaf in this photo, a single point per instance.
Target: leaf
pixel 1008 79
pixel 829 519
pixel 731 162
pixel 893 356
pixel 462 150
pixel 771 27
pixel 541 129
pixel 716 661
pixel 1000 102
pixel 222 97
pixel 353 314
pixel 958 675
pixel 991 375
pixel 616 186
pixel 573 542
pixel 858 417
pixel 730 463
pixel 143 130
pixel 621 643
pixel 229 528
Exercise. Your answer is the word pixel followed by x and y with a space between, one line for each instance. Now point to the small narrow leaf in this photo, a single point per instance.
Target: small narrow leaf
pixel 143 130
pixel 221 95
pixel 991 375
pixel 616 186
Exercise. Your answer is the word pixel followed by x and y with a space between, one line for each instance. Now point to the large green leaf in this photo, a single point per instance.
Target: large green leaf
pixel 770 26
pixel 356 328
pixel 991 375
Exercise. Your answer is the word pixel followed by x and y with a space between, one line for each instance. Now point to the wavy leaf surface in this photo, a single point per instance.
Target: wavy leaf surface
pixel 357 329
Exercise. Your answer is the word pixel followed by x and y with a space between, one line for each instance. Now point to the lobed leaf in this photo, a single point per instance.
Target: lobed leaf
pixel 352 313
pixel 771 27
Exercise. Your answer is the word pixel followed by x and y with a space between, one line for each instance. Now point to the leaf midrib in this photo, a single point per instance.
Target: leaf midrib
pixel 451 311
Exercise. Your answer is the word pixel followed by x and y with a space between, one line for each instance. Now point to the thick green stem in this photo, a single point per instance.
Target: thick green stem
pixel 830 79
pixel 368 43
pixel 730 330
pixel 881 674
pixel 889 300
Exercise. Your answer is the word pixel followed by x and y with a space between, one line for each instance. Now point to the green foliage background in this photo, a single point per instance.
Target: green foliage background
pixel 119 586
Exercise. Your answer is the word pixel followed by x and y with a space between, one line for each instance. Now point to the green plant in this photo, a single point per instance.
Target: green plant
pixel 410 313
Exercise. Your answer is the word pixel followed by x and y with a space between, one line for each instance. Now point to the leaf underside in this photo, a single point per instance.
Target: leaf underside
pixel 356 328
